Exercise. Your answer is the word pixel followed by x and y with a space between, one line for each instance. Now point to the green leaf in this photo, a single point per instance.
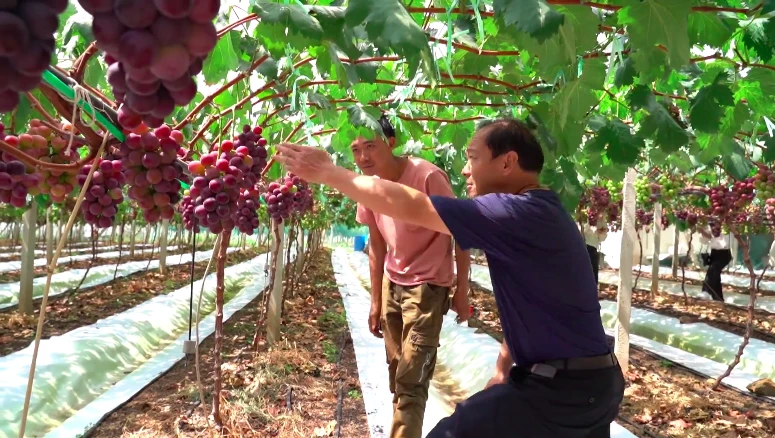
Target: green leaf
pixel 706 110
pixel 769 151
pixel 222 60
pixel 390 27
pixel 564 181
pixel 458 134
pixel 319 100
pixel 268 68
pixel 653 22
pixel 736 163
pixel 576 97
pixel 625 73
pixel 293 16
pixel 332 21
pixel 659 123
pixel 559 140
pixel 534 17
pixel 620 144
pixel 366 117
pixel 734 118
pixel 649 62
pixel 707 28
pixel 755 36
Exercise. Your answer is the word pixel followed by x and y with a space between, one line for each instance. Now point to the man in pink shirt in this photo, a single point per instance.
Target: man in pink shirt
pixel 418 265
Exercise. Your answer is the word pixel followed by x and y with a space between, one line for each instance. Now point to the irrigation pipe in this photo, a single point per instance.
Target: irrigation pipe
pixel 50 273
pixel 198 307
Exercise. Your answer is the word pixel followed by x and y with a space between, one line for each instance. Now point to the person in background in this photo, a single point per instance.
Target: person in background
pixel 408 309
pixel 720 256
pixel 593 236
pixel 566 382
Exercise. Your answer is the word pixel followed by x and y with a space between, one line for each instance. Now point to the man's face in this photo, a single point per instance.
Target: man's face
pixel 482 172
pixel 372 155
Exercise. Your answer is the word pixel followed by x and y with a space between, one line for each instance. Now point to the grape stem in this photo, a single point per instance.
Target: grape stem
pixel 32 161
pixel 39 108
pixel 79 67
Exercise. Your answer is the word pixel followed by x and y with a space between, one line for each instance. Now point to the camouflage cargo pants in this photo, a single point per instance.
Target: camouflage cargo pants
pixel 412 318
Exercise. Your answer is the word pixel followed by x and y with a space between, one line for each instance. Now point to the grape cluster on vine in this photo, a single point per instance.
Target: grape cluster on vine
pixel 764 183
pixel 152 171
pixel 16 178
pixel 154 48
pixel 643 219
pixel 103 194
pixel 27 43
pixel 600 209
pixel 49 146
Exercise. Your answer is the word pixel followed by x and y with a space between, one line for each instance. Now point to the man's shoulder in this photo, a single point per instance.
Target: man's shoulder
pixel 424 167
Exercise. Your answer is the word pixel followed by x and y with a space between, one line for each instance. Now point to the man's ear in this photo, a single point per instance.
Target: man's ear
pixel 391 142
pixel 510 161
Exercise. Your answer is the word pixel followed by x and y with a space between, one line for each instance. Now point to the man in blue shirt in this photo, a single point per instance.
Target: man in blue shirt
pixel 566 382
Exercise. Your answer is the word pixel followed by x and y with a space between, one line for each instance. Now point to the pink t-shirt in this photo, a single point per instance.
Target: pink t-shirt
pixel 415 255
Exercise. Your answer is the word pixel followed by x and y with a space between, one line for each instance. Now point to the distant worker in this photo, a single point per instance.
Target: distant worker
pixel 418 264
pixel 566 382
pixel 720 256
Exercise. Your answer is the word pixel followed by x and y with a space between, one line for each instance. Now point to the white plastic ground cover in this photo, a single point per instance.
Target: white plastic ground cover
pixel 42 252
pixel 77 367
pixel 469 356
pixel 699 339
pixel 766 304
pixel 738 379
pixel 17 264
pixel 62 281
pixel 90 415
pixel 734 280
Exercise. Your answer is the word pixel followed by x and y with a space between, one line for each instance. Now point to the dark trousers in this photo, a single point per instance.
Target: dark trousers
pixel 594 257
pixel 572 404
pixel 719 259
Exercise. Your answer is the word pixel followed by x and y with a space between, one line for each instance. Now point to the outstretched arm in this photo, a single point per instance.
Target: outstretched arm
pixel 386 197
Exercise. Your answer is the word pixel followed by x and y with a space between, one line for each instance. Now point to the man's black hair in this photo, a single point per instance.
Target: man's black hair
pixel 387 127
pixel 508 134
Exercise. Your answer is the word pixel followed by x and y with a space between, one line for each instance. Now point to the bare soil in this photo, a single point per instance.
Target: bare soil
pixel 291 389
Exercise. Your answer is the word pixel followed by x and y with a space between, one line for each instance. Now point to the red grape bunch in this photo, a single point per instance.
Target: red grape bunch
pixel 152 171
pixel 186 207
pixel 279 199
pixel 688 217
pixel 250 154
pixel 16 179
pixel 216 189
pixel 51 147
pixel 769 210
pixel 598 202
pixel 247 213
pixel 103 194
pixel 26 44
pixel 154 48
pixel 665 220
pixel 643 219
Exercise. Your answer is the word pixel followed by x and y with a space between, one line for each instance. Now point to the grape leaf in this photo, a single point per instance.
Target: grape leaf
pixel 618 141
pixel 577 96
pixel 653 22
pixel 736 163
pixel 769 151
pixel 365 117
pixel 625 73
pixel 668 135
pixel 706 107
pixel 390 27
pixel 534 17
pixel 222 60
pixel 564 181
pixel 755 36
pixel 563 141
pixel 649 62
pixel 734 118
pixel 458 134
pixel 268 68
pixel 294 16
pixel 708 29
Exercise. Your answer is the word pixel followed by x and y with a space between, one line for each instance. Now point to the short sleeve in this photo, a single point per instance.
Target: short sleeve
pixel 437 183
pixel 364 216
pixel 483 222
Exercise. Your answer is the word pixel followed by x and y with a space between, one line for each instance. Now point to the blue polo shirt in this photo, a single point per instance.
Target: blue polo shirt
pixel 542 280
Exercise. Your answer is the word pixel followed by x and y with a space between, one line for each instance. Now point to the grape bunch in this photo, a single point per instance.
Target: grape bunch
pixel 48 146
pixel 249 154
pixel 103 194
pixel 154 49
pixel 16 179
pixel 665 220
pixel 216 189
pixel 643 219
pixel 302 198
pixel 247 213
pixel 769 210
pixel 668 186
pixel 764 183
pixel 643 194
pixel 152 171
pixel 26 44
pixel 599 200
pixel 279 199
pixel 688 217
pixel 186 207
